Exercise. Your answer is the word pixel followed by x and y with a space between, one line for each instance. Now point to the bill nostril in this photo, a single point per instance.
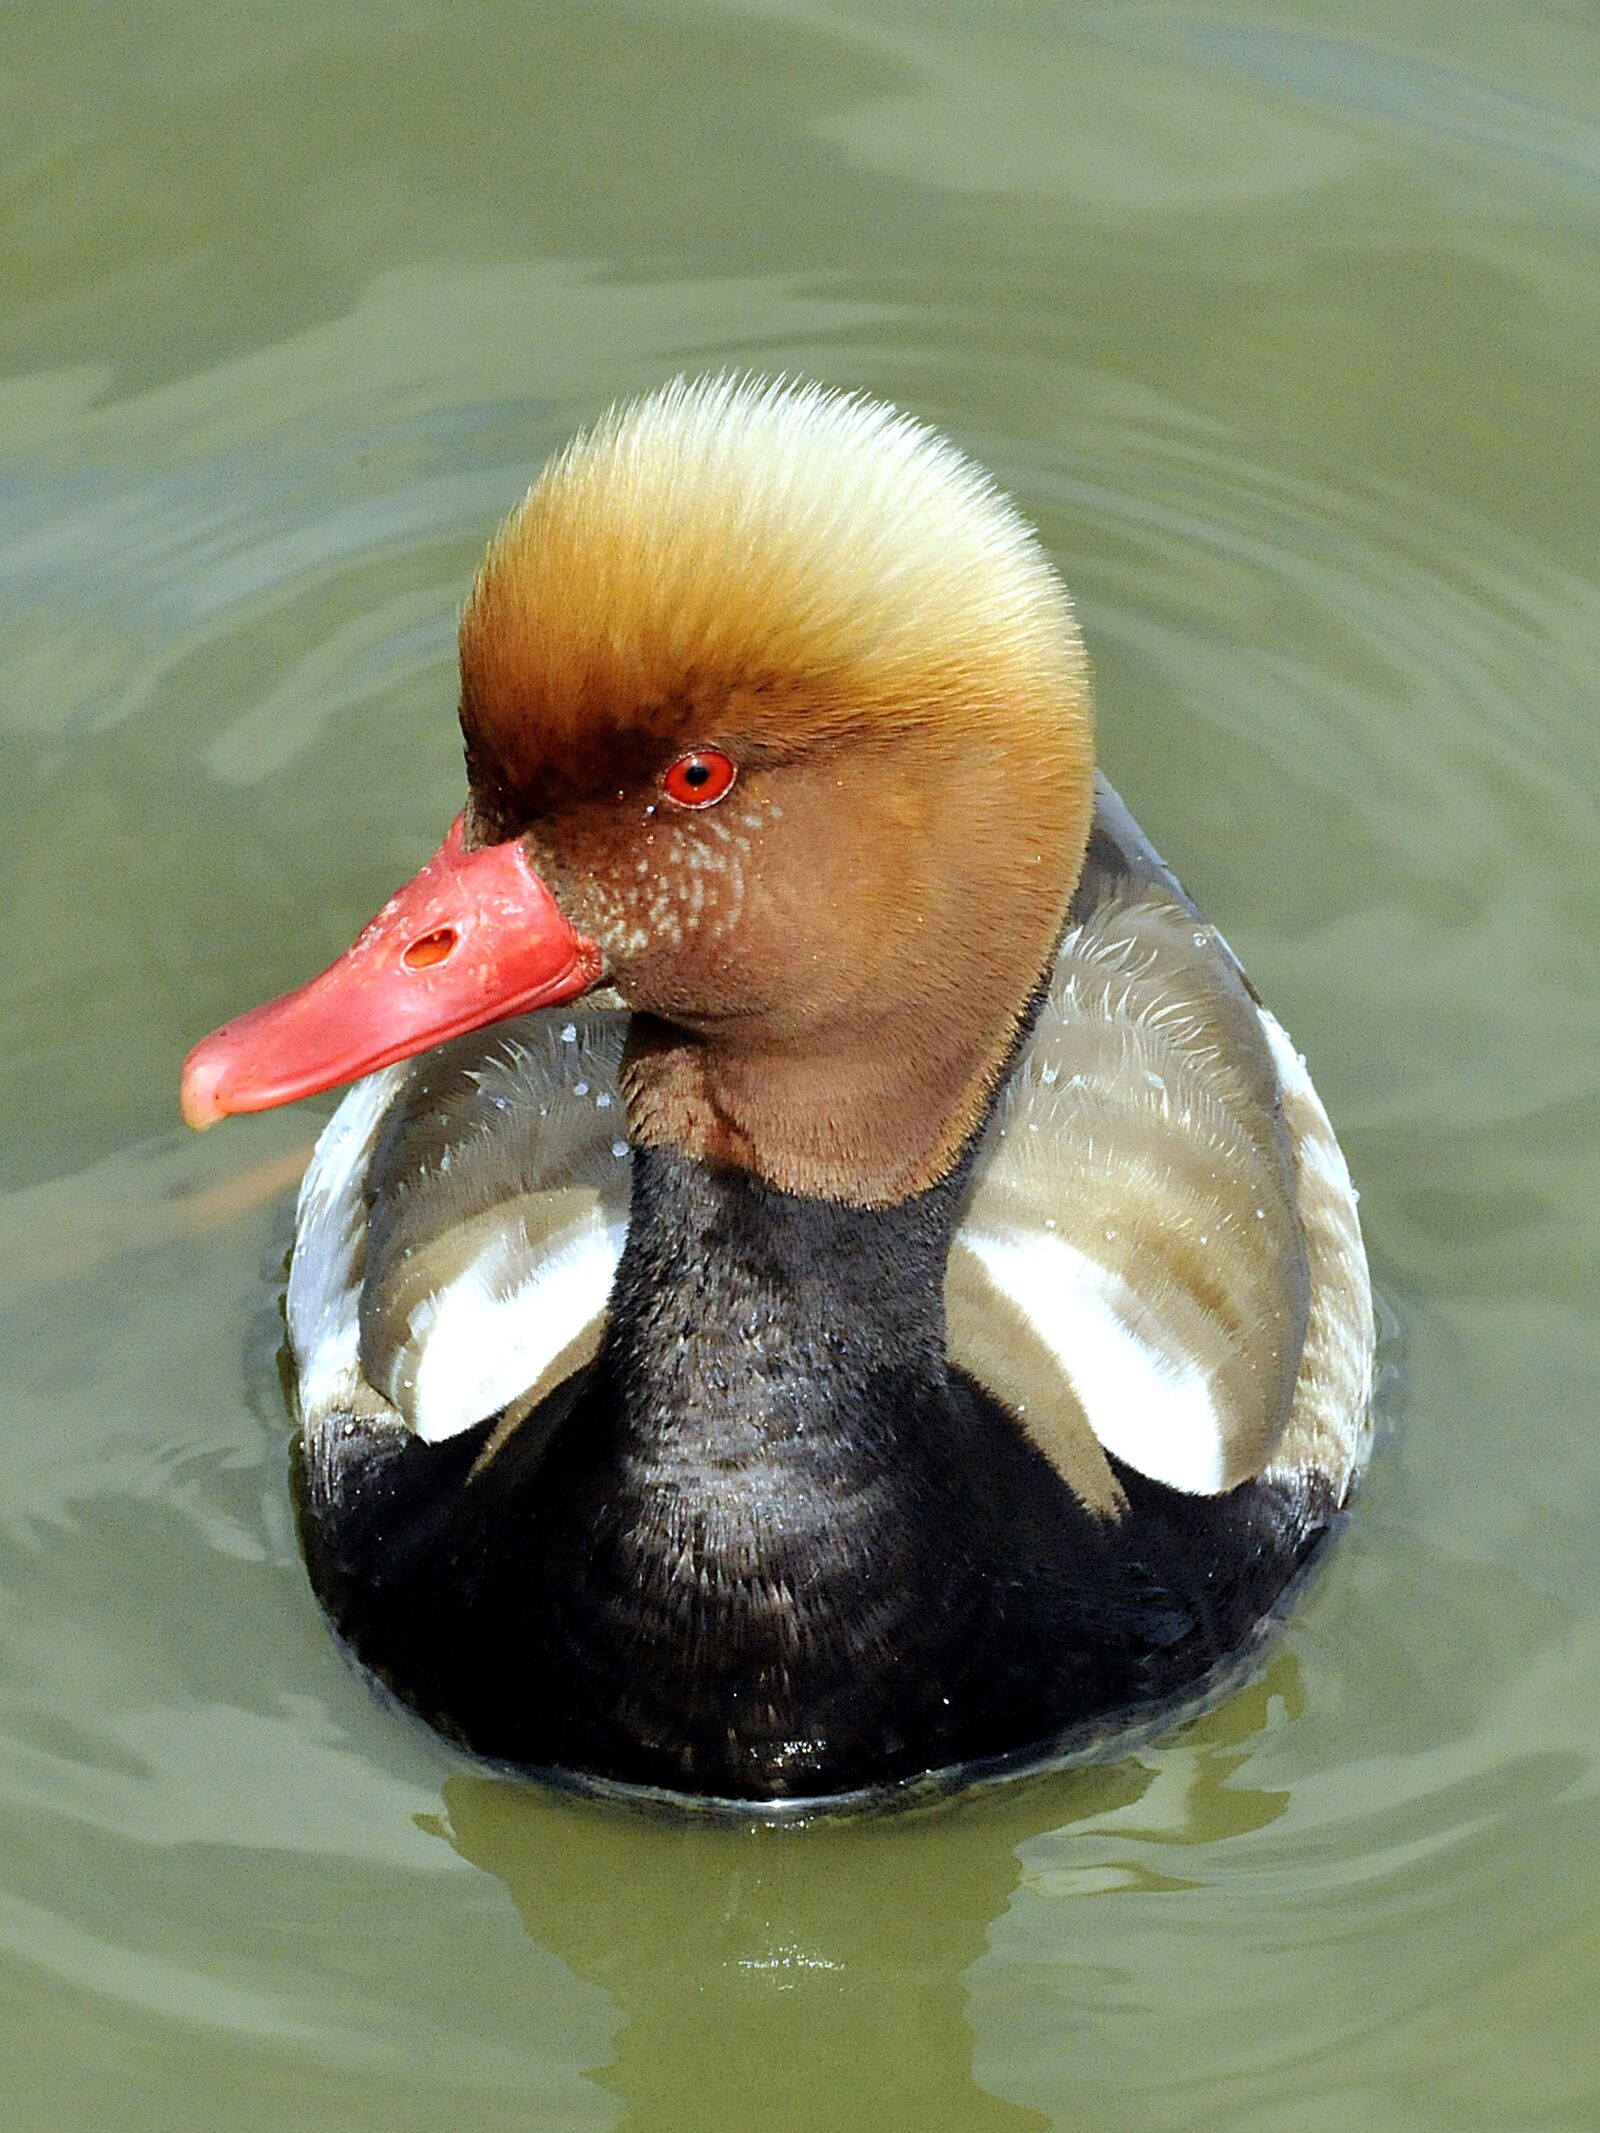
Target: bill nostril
pixel 429 949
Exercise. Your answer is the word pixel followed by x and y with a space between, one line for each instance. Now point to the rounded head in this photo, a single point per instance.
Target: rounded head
pixel 831 956
pixel 777 720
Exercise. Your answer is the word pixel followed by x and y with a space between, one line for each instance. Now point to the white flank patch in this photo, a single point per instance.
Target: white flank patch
pixel 324 1289
pixel 1332 1425
pixel 492 1334
pixel 1150 1404
pixel 1315 1143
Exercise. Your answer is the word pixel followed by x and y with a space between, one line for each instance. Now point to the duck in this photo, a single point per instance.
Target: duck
pixel 827 1281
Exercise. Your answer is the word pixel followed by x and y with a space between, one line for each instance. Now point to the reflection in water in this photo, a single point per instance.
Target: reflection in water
pixel 789 1976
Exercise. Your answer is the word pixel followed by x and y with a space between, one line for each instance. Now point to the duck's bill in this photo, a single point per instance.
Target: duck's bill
pixel 473 938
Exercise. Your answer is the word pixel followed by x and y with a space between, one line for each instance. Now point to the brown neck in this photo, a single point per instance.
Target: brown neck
pixel 870 1118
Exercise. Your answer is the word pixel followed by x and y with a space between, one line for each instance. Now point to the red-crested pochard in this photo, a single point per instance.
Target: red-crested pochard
pixel 911 1316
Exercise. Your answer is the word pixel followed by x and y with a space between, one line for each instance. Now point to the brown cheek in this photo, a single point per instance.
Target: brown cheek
pixel 830 928
pixel 844 921
pixel 702 914
pixel 784 905
pixel 597 863
pixel 700 953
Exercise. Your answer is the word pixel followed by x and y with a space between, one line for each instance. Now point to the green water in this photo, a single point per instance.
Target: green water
pixel 1283 324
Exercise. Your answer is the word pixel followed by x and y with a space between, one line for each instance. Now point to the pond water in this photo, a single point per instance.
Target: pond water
pixel 1282 324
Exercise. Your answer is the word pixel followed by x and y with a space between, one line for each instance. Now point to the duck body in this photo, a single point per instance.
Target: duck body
pixel 846 1561
pixel 788 1379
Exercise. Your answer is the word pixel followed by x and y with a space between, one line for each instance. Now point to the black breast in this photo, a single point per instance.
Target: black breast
pixel 769 1543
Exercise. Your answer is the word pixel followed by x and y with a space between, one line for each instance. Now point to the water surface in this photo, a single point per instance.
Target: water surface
pixel 1281 323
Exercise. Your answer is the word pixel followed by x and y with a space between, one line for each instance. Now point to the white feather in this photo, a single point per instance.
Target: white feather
pixel 1147 1402
pixel 490 1336
pixel 1331 1428
pixel 324 1297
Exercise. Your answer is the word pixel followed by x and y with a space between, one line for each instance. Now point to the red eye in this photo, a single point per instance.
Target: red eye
pixel 700 778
